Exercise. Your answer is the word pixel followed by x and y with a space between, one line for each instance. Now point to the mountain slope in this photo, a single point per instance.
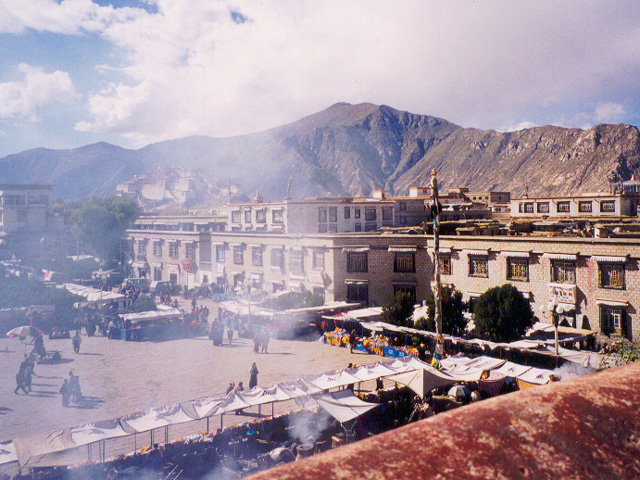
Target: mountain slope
pixel 352 150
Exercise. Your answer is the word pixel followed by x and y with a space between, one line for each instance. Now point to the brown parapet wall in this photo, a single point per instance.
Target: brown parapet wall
pixel 585 428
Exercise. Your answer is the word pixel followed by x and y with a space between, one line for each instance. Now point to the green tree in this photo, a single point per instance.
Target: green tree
pixel 21 292
pixel 502 314
pixel 143 303
pixel 453 321
pixel 399 311
pixel 101 222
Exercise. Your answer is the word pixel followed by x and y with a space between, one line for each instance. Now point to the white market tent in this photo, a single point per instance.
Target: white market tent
pixel 151 315
pixel 60 447
pixel 94 295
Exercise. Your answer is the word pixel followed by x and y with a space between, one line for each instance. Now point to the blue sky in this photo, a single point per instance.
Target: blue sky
pixel 132 72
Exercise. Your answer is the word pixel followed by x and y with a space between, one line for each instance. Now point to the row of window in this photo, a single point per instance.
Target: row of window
pixel 277 216
pixel 358 292
pixel 296 259
pixel 190 249
pixel 611 275
pixel 584 206
pixel 370 214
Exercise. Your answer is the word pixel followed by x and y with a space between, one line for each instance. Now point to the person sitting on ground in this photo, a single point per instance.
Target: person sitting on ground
pixel 231 387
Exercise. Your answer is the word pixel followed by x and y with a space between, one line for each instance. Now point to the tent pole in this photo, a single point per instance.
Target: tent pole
pixel 208 425
pixel 221 417
pixel 272 403
pixel 89 452
pixel 166 434
pixel 135 441
pixel 259 410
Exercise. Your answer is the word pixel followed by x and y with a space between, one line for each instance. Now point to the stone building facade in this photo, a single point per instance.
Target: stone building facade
pixel 595 280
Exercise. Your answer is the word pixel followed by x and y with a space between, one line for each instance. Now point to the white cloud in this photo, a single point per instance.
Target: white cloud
pixel 609 112
pixel 69 17
pixel 515 127
pixel 37 89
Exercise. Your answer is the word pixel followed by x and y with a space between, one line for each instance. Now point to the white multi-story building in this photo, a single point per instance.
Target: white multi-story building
pixel 596 205
pixel 25 207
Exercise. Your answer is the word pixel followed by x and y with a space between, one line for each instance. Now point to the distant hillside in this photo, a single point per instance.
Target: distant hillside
pixel 352 150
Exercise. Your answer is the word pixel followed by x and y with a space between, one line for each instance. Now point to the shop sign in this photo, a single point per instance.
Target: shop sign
pixel 189 266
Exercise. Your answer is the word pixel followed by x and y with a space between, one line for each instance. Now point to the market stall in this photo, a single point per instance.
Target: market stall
pixel 154 324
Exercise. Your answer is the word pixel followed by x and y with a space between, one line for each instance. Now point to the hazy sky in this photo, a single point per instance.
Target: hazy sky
pixel 135 72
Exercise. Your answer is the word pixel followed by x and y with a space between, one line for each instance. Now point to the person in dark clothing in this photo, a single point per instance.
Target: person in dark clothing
pixel 230 335
pixel 352 340
pixel 253 376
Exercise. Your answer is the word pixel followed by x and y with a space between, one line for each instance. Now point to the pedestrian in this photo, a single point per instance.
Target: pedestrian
pixel 65 390
pixel 253 376
pixel 352 340
pixel 256 342
pixel 265 341
pixel 240 388
pixel 74 387
pixel 231 387
pixel 76 341
pixel 20 381
pixel 230 335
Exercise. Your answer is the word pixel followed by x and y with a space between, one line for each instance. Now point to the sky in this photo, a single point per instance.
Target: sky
pixel 131 73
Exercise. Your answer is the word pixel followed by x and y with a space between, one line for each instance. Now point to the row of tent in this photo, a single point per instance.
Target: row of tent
pixel 44 449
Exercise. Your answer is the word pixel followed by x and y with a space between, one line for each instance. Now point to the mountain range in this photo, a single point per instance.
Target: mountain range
pixel 352 150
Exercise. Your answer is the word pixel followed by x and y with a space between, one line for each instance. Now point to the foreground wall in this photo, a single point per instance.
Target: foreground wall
pixel 585 428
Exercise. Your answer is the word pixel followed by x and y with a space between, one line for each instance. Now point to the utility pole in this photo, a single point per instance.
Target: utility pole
pixel 435 214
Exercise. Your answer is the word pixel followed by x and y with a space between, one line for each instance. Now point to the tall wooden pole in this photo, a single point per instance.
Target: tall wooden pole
pixel 435 211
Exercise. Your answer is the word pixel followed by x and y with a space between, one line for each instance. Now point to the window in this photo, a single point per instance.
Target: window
pixel 584 207
pixel 612 275
pixel 543 207
pixel 236 216
pixel 318 260
pixel 190 250
pixel 356 212
pixel 322 228
pixel 333 228
pixel 358 293
pixel 333 214
pixel 404 262
pixel 256 256
pixel 247 216
pixel 370 227
pixel 173 249
pixel 402 206
pixel 277 257
pixel 238 255
pixel 347 212
pixel 612 318
pixel 296 262
pixel 357 262
pixel 445 264
pixel 220 253
pixel 402 221
pixel 277 216
pixel 157 248
pixel 370 214
pixel 322 214
pixel 261 216
pixel 564 207
pixel 608 206
pixel 528 207
pixel 563 271
pixel 478 267
pixel 387 213
pixel 407 290
pixel 357 227
pixel 518 269
pixel 142 247
pixel 157 274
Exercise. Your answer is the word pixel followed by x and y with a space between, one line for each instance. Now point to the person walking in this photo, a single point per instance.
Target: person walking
pixel 76 341
pixel 253 376
pixel 20 380
pixel 230 335
pixel 65 390
pixel 265 341
pixel 352 340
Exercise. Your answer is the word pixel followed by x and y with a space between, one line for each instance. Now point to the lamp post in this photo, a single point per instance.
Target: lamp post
pixel 555 309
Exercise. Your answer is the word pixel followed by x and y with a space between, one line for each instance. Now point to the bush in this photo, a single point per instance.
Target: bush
pixel 453 308
pixel 399 311
pixel 502 314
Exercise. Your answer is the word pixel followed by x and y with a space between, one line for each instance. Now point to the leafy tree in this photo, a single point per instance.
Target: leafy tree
pixel 622 354
pixel 143 303
pixel 399 310
pixel 81 269
pixel 101 222
pixel 21 292
pixel 502 314
pixel 453 321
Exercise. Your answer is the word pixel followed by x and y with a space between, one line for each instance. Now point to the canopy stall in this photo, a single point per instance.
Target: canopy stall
pixel 344 405
pixel 7 452
pixel 152 315
pixel 95 296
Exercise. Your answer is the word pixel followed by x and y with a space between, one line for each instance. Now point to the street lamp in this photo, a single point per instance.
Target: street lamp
pixel 554 309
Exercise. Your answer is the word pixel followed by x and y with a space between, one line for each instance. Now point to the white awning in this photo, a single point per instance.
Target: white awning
pixel 560 256
pixel 344 405
pixel 316 279
pixel 220 269
pixel 296 286
pixel 138 265
pixel 403 248
pixel 174 269
pixel 255 276
pixel 356 282
pixel 441 250
pixel 477 253
pixel 354 249
pixel 156 265
pixel 526 295
pixel 515 254
pixel 612 303
pixel 473 294
pixel 607 259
